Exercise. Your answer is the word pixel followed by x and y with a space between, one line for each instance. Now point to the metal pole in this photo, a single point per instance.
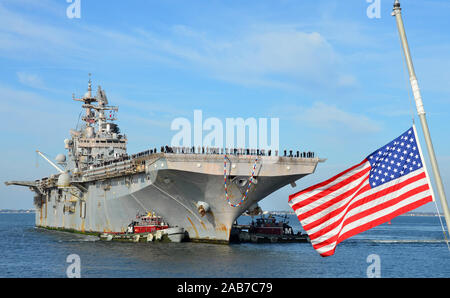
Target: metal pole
pixel 421 111
pixel 50 162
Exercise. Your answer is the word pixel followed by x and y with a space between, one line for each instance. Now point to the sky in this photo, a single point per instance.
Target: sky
pixel 334 77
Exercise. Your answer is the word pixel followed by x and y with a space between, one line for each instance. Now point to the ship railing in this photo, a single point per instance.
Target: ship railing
pixel 227 151
pixel 126 159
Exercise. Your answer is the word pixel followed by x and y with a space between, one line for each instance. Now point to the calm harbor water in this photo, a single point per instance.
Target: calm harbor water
pixel 408 247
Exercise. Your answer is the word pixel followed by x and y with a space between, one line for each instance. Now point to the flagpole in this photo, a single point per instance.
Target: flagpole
pixel 421 111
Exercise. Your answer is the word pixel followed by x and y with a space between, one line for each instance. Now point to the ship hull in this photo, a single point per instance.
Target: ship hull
pixel 172 190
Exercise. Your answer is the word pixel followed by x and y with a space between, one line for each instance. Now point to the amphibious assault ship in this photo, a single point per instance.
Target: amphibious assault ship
pixel 99 188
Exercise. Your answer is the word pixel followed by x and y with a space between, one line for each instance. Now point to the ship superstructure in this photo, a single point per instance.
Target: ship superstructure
pixel 99 188
pixel 100 139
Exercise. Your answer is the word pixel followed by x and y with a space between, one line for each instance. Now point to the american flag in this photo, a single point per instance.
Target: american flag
pixel 389 182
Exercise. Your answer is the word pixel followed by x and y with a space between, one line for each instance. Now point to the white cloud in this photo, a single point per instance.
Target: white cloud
pixel 346 80
pixel 24 37
pixel 277 56
pixel 280 56
pixel 31 80
pixel 329 117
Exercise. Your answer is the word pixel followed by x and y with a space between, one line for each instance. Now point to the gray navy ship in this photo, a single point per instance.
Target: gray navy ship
pixel 99 188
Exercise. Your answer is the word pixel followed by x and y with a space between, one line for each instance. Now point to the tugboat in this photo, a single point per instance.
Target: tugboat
pixel 270 226
pixel 147 228
pixel 148 223
pixel 267 230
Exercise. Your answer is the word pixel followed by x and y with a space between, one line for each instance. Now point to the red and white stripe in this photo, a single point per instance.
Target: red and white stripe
pixel 345 204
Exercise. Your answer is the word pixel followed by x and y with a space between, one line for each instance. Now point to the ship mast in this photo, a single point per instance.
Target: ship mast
pixel 421 111
pixel 100 139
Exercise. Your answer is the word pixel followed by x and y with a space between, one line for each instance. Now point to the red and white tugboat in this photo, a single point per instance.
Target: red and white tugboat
pixel 148 223
pixel 147 228
pixel 151 225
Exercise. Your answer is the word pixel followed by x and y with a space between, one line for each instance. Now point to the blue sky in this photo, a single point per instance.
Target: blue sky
pixel 335 78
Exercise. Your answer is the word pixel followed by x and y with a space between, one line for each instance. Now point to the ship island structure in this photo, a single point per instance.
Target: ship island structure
pixel 199 192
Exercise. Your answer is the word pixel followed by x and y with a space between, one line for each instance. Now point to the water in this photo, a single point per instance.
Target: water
pixel 409 247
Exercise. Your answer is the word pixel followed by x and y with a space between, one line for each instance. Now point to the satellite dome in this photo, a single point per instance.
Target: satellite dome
pixel 64 180
pixel 60 158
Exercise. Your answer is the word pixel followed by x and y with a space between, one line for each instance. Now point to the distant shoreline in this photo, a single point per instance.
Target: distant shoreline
pixel 282 213
pixel 18 211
